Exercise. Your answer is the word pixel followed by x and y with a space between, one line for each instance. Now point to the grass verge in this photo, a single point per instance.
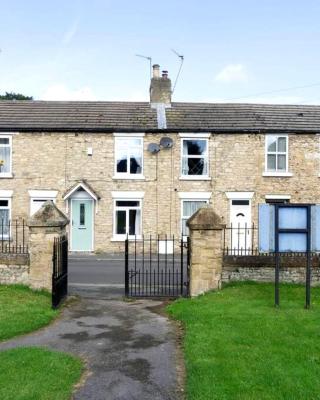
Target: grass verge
pixel 38 374
pixel 237 345
pixel 23 310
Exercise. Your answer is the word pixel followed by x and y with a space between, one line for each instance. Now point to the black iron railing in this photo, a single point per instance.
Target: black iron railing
pixel 157 267
pixel 60 270
pixel 13 237
pixel 241 240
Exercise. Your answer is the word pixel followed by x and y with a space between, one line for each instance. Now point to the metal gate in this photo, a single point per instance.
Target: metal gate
pixel 60 270
pixel 157 267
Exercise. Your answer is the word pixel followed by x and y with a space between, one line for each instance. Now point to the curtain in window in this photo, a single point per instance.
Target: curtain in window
pixel 4 222
pixel 189 208
pixel 134 222
pixel 5 158
pixel 185 167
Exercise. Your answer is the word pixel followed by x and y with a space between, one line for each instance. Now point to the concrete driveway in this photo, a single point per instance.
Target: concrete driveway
pixel 130 351
pixel 98 276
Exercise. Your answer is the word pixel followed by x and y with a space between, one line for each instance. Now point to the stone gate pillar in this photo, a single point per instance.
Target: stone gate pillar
pixel 206 250
pixel 45 225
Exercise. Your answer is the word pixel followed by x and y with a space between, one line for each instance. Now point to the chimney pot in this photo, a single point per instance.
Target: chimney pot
pixel 165 74
pixel 156 71
pixel 160 86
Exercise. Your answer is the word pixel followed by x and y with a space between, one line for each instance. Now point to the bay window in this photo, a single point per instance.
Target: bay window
pixel 128 157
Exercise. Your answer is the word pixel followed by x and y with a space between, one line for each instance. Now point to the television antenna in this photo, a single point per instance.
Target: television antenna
pixel 146 58
pixel 181 57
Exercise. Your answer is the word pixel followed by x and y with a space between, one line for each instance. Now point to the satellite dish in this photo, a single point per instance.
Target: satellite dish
pixel 166 142
pixel 153 148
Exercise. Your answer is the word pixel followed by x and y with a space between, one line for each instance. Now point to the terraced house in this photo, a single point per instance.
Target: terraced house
pixel 134 168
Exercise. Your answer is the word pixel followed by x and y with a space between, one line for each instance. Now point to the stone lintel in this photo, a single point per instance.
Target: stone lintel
pixel 49 216
pixel 205 219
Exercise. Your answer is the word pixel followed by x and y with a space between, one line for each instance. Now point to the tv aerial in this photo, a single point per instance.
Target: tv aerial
pixel 146 58
pixel 181 57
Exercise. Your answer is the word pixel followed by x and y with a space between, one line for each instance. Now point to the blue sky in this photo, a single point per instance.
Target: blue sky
pixel 238 50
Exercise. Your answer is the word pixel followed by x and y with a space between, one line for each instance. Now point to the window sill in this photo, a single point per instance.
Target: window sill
pixel 129 177
pixel 6 175
pixel 194 178
pixel 123 238
pixel 277 174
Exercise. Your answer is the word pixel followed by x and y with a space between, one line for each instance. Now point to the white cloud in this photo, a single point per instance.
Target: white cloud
pixel 232 73
pixel 61 92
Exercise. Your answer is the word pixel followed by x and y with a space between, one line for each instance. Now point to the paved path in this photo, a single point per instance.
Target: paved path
pixel 129 349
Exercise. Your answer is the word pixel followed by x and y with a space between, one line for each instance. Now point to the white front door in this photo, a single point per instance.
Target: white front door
pixel 240 217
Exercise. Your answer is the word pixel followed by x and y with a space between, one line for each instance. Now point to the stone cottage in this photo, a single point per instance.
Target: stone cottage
pixel 134 168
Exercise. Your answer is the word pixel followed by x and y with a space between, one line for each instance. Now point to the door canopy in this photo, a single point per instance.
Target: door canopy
pixel 81 186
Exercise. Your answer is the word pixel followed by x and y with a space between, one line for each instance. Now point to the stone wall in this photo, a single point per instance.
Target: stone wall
pixel 262 269
pixel 14 268
pixel 35 268
pixel 56 161
pixel 205 251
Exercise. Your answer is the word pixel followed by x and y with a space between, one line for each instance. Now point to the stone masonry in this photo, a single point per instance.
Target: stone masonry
pixel 262 269
pixel 56 161
pixel 14 269
pixel 206 252
pixel 45 225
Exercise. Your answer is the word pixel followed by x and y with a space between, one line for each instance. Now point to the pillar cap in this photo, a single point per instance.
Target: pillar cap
pixel 49 215
pixel 205 219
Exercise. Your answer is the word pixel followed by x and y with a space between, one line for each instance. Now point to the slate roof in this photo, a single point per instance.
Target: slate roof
pixel 106 117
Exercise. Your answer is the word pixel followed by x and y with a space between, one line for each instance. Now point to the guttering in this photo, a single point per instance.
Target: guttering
pixel 168 130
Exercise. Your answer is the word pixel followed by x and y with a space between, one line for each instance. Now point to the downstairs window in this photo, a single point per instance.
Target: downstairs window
pixel 127 218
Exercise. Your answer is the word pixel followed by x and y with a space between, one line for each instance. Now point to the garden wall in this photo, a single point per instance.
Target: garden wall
pixel 262 269
pixel 14 268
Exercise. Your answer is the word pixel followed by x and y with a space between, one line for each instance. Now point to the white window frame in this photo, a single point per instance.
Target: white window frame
pixel 191 196
pixel 7 174
pixel 122 196
pixel 38 195
pixel 121 237
pixel 126 175
pixel 8 207
pixel 278 173
pixel 204 137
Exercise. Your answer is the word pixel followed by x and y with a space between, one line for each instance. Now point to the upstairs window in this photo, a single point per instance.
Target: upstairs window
pixel 128 157
pixel 194 158
pixel 276 153
pixel 5 155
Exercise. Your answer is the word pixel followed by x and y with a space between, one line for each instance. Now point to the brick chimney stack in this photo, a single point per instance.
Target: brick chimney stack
pixel 160 86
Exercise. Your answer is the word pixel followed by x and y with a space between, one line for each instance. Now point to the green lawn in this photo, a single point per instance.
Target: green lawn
pixel 23 310
pixel 239 346
pixel 37 374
